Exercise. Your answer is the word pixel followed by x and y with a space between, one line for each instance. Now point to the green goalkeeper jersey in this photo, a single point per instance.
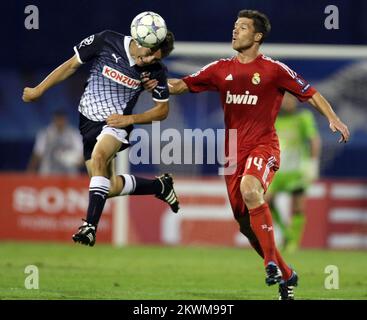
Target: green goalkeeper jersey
pixel 295 131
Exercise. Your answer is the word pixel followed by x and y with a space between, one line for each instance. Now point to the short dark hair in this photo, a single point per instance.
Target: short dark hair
pixel 167 45
pixel 261 21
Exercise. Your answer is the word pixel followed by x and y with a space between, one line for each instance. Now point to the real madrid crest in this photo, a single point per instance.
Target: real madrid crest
pixel 256 78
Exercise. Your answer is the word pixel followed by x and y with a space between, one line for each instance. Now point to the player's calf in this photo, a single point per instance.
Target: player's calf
pixel 161 187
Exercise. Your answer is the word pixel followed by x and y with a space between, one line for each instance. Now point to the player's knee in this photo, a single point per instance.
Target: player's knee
pixel 252 191
pixel 251 196
pixel 298 209
pixel 99 161
pixel 298 205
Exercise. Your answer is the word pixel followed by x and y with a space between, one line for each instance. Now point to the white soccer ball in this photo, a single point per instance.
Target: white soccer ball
pixel 148 29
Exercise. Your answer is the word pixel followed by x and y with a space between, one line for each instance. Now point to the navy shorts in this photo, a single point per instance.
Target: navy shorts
pixel 90 130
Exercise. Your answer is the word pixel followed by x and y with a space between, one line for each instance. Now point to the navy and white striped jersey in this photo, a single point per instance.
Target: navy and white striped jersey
pixel 114 82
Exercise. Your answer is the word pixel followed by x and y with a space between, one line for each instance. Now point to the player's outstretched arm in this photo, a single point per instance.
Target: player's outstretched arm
pixel 61 73
pixel 335 124
pixel 158 113
pixel 177 86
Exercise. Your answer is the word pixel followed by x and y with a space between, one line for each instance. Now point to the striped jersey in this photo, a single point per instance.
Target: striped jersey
pixel 251 95
pixel 114 85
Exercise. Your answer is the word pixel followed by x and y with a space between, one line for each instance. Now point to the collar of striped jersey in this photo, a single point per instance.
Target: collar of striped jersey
pixel 127 41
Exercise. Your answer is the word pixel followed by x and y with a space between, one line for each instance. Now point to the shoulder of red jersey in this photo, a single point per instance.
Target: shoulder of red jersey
pixel 279 64
pixel 217 64
pixel 220 61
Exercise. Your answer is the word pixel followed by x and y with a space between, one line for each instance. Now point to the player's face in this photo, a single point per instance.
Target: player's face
pixel 146 56
pixel 243 35
pixel 60 122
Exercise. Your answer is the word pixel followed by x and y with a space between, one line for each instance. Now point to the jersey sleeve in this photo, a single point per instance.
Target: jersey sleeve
pixel 290 81
pixel 203 80
pixel 89 48
pixel 160 92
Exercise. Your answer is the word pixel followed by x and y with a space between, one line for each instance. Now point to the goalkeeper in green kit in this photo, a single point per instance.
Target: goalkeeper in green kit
pixel 299 167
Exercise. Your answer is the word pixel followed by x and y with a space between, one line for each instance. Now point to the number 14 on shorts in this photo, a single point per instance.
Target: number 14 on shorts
pixel 256 161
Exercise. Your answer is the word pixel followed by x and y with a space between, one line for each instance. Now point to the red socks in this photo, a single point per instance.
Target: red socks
pixel 286 271
pixel 262 225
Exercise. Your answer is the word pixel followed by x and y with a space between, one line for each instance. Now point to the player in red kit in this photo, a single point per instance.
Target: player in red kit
pixel 251 88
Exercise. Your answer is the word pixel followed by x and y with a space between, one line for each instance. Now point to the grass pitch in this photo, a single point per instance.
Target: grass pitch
pixel 179 273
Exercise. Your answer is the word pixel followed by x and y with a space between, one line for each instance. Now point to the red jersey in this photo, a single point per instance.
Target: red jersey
pixel 251 95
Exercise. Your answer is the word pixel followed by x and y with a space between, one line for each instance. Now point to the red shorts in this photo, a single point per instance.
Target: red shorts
pixel 261 162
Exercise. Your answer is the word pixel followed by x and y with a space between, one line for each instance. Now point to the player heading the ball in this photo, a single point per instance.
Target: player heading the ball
pixel 148 29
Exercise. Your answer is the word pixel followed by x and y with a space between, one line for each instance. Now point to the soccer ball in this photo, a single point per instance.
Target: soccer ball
pixel 148 29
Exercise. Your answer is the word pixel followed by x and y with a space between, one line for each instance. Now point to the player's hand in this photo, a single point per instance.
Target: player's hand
pixel 119 120
pixel 337 125
pixel 148 84
pixel 31 94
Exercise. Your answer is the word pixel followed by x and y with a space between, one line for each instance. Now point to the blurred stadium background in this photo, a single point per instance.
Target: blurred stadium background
pixel 49 209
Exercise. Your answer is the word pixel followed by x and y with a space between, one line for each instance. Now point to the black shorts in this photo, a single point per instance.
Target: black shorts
pixel 90 130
